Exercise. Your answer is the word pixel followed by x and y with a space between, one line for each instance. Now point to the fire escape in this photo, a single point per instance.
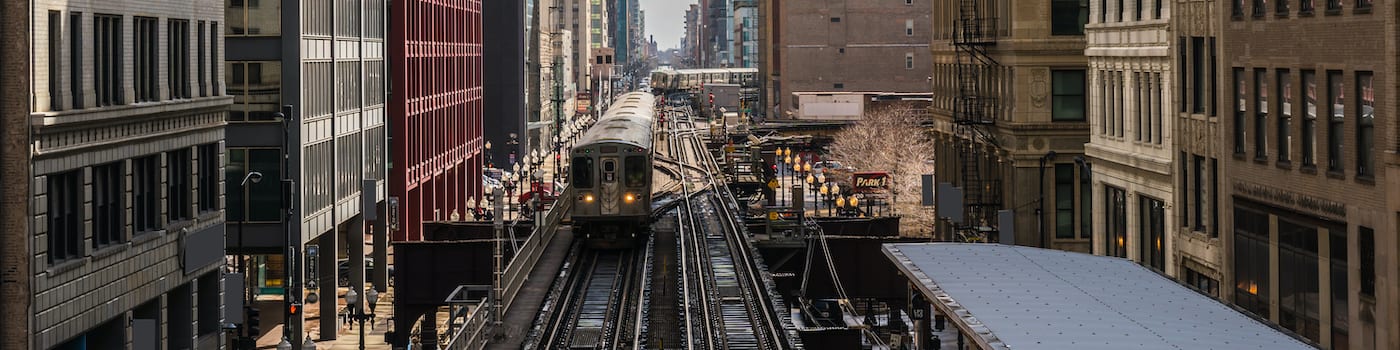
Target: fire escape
pixel 974 112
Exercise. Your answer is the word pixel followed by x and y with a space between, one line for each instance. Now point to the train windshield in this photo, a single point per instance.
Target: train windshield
pixel 635 169
pixel 583 172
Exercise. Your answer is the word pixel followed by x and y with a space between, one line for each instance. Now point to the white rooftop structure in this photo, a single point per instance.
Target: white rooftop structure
pixel 1014 297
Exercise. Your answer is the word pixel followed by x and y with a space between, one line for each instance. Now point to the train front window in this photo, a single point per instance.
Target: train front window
pixel 583 172
pixel 635 169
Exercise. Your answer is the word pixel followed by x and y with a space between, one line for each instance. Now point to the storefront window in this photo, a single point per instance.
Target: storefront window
pixel 1298 278
pixel 1252 261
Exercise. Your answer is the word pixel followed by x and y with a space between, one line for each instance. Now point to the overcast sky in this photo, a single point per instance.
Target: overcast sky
pixel 666 21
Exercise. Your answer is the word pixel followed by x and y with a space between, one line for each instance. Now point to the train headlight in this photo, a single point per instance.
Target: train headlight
pixel 588 197
pixel 629 198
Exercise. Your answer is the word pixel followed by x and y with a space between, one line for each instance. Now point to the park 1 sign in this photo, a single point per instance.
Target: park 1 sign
pixel 869 182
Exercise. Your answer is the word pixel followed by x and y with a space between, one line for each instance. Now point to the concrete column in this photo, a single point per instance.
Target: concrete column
pixel 355 235
pixel 379 229
pixel 328 273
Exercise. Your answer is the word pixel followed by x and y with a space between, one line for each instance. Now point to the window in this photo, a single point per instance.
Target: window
pixel 908 61
pixel 256 88
pixel 145 179
pixel 1309 131
pixel 75 59
pixel 1122 11
pixel 1198 75
pixel 1251 261
pixel 261 201
pixel 108 208
pixel 1068 103
pixel 1152 233
pixel 1283 139
pixel 1184 195
pixel 1201 282
pixel 1363 4
pixel 1157 9
pixel 55 62
pixel 1298 278
pixel 1103 11
pixel 1305 7
pixel 1181 50
pixel 178 58
pixel 1258 9
pixel 1067 17
pixel 1365 125
pixel 144 34
pixel 908 27
pixel 1338 285
pixel 1366 244
pixel 1214 198
pixel 108 59
pixel 1261 114
pixel 636 171
pixel 1214 78
pixel 1281 7
pixel 582 172
pixel 214 57
pixel 1137 10
pixel 1086 205
pixel 836 20
pixel 1067 184
pixel 838 86
pixel 1334 5
pixel 253 18
pixel 1143 109
pixel 1198 190
pixel 1116 241
pixel 203 62
pixel 177 175
pixel 1237 8
pixel 208 177
pixel 1337 111
pixel 65 235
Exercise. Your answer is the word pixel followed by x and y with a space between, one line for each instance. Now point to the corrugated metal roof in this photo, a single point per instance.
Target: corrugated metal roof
pixel 1014 297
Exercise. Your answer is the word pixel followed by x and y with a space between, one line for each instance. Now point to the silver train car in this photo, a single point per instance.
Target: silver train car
pixel 671 80
pixel 611 168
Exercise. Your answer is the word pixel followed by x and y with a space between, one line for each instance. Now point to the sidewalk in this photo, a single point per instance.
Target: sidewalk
pixel 348 335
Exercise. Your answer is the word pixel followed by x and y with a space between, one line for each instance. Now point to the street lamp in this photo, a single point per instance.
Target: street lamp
pixel 840 204
pixel 855 205
pixel 357 313
pixel 811 184
pixel 255 177
pixel 488 154
pixel 284 345
pixel 1040 203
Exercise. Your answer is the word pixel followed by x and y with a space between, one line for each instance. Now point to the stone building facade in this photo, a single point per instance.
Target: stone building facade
pixel 1309 208
pixel 851 45
pixel 122 162
pixel 1036 90
pixel 1130 147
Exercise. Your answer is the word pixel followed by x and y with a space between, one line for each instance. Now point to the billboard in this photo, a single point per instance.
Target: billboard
pixel 871 182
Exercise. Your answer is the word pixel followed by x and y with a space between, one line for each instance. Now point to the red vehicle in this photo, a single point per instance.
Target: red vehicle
pixel 547 197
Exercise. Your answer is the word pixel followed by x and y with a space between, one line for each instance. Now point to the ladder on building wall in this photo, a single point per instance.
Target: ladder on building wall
pixel 975 112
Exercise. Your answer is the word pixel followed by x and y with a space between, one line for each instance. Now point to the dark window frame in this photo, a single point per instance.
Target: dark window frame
pixel 65 229
pixel 177 174
pixel 1365 125
pixel 75 59
pixel 1065 181
pixel 55 63
pixel 108 205
pixel 1240 106
pixel 1060 21
pixel 1335 122
pixel 1308 84
pixel 1366 244
pixel 1261 114
pixel 1283 88
pixel 145 34
pixel 1198 75
pixel 1152 232
pixel 208 182
pixel 1059 97
pixel 145 190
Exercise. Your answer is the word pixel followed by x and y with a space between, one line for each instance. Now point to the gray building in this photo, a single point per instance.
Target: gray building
pixel 503 63
pixel 113 140
pixel 321 65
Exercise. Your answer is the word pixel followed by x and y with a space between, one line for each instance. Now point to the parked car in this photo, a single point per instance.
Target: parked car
pixel 343 272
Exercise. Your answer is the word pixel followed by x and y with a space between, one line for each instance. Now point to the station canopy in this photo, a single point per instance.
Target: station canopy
pixel 1014 297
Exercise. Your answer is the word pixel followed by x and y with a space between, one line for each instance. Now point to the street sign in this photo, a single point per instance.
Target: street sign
pixel 773 184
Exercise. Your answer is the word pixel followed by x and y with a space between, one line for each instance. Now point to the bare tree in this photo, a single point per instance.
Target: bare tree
pixel 890 140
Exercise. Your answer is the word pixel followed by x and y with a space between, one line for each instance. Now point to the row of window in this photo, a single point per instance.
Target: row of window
pixel 1122 10
pixel 1336 104
pixel 1151 229
pixel 1282 8
pixel 1144 92
pixel 1301 258
pixel 108 193
pixel 108 46
pixel 1198 181
pixel 1195 79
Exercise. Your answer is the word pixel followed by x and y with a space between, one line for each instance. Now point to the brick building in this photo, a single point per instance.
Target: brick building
pixel 436 113
pixel 1309 203
pixel 309 82
pixel 849 45
pixel 1030 105
pixel 114 131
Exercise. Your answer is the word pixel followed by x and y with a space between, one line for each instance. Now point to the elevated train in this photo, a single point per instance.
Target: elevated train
pixel 611 168
pixel 675 80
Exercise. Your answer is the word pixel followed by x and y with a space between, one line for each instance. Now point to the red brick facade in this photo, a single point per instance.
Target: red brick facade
pixel 436 111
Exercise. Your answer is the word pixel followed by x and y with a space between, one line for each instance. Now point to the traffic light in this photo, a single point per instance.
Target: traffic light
pixel 253 322
pixel 712 98
pixel 293 309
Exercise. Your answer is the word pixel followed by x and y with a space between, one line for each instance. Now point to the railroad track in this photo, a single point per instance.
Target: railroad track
pixel 725 280
pixel 601 305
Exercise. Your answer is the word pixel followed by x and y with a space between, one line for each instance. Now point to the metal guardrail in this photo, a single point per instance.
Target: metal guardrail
pixel 473 335
pixel 475 331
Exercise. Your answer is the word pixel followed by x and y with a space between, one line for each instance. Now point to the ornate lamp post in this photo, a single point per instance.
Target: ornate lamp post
pixel 840 205
pixel 854 202
pixel 357 313
pixel 812 185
